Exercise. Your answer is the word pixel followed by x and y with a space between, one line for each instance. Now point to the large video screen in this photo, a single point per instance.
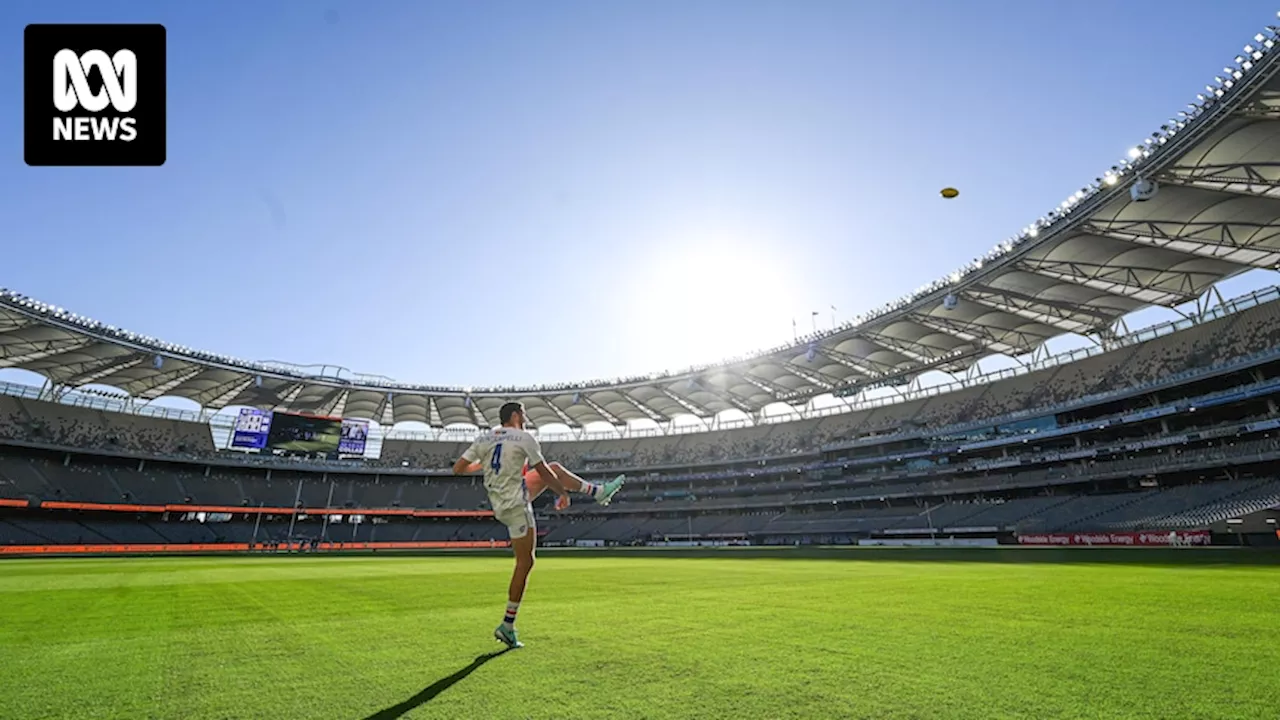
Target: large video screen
pixel 355 433
pixel 251 429
pixel 304 434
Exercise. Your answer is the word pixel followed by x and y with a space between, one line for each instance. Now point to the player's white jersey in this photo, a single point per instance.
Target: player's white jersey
pixel 504 452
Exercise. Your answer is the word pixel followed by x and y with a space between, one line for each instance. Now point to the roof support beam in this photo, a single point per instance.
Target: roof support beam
pixel 817 377
pixel 777 391
pixel 649 412
pixel 978 335
pixel 288 398
pixel 564 417
pixel 169 381
pixel 93 372
pixel 608 416
pixel 1252 179
pixel 728 396
pixel 12 321
pixel 476 416
pixel 376 413
pixel 31 351
pixel 695 410
pixel 227 392
pixel 339 404
pixel 1213 240
pixel 906 348
pixel 1047 312
pixel 870 369
pixel 1121 281
pixel 1259 111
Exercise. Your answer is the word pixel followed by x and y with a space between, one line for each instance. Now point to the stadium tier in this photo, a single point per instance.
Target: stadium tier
pixel 1180 433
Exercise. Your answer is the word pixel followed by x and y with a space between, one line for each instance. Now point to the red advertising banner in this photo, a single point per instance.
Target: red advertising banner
pixel 110 548
pixel 1150 538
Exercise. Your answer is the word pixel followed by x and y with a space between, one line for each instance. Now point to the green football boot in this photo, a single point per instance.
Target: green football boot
pixel 507 637
pixel 609 489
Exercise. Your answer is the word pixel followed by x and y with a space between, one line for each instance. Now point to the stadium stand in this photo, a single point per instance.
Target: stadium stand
pixel 1177 431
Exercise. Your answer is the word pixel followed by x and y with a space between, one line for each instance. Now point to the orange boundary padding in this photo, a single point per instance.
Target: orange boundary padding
pixel 110 548
pixel 240 510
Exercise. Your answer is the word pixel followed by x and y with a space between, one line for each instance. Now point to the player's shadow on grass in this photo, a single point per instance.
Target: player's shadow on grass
pixel 431 691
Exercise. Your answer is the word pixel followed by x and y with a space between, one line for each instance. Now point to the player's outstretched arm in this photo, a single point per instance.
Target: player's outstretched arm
pixel 465 466
pixel 470 460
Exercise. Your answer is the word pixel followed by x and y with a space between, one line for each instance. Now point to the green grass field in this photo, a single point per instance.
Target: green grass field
pixel 736 635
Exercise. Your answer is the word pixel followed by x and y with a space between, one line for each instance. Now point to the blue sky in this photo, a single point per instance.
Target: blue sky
pixel 644 185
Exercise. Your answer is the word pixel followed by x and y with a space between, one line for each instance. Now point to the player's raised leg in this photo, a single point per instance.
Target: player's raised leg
pixel 603 493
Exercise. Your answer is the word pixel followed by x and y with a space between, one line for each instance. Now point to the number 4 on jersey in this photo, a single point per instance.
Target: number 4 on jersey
pixel 496 462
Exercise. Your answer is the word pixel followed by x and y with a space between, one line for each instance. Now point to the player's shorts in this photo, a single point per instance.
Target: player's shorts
pixel 519 520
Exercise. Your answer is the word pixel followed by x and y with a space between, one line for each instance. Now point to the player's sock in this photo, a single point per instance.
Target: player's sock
pixel 589 489
pixel 509 620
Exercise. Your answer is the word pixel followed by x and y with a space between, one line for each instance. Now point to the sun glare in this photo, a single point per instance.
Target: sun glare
pixel 709 301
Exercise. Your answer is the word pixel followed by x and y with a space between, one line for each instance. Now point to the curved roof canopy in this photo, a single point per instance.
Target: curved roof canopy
pixel 1097 257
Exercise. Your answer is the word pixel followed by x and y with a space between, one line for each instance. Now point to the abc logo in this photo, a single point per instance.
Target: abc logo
pixel 94 95
pixel 71 90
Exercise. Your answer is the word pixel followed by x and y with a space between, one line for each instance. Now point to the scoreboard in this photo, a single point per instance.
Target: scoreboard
pixel 304 434
pixel 251 429
pixel 263 430
pixel 355 433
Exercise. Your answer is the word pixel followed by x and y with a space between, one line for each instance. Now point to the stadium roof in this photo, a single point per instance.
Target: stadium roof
pixel 1092 260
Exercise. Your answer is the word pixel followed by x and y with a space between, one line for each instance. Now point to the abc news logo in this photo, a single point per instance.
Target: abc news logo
pixel 71 90
pixel 108 101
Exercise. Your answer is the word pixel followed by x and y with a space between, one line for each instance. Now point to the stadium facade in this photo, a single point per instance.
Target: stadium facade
pixel 1165 435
